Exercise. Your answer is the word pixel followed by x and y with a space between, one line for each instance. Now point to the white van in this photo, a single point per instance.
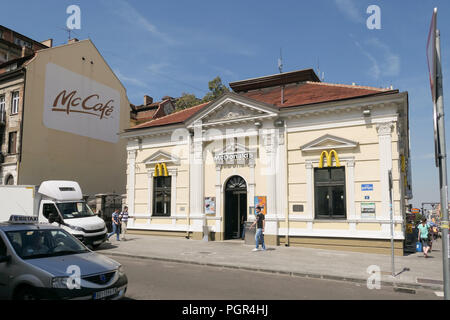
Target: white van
pixel 57 202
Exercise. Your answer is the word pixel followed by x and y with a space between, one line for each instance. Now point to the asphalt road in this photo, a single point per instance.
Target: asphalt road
pixel 157 280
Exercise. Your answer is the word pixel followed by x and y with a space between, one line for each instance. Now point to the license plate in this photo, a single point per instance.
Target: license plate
pixel 97 242
pixel 105 293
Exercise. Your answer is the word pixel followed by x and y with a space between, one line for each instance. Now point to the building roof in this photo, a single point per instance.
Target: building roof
pixel 298 90
pixel 173 118
pixel 310 93
pixel 275 80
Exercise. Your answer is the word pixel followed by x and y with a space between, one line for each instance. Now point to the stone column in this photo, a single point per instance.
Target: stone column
pixel 131 184
pixel 271 231
pixel 197 182
pixel 219 231
pixel 385 150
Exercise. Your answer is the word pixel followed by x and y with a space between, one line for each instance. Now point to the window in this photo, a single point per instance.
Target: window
pixel 49 208
pixel 12 142
pixel 329 193
pixel 9 180
pixel 161 196
pixel 22 43
pixel 2 108
pixel 15 102
pixel 2 248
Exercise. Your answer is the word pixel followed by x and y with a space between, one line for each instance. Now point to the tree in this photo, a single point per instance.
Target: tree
pixel 216 89
pixel 186 100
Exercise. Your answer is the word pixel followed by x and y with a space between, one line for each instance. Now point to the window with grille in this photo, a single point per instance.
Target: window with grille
pixel 162 187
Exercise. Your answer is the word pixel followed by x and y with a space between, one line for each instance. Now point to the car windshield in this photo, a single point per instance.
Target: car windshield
pixel 33 244
pixel 72 210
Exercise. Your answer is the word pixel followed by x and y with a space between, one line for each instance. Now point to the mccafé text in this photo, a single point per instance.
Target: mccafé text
pixel 89 105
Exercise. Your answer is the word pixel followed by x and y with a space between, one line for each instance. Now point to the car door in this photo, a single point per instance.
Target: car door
pixel 4 270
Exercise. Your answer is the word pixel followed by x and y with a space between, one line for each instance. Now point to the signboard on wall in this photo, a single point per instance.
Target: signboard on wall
pixel 210 205
pixel 368 210
pixel 367 187
pixel 261 203
pixel 79 105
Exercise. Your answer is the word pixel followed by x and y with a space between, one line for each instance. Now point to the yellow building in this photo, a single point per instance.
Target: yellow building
pixel 64 122
pixel 316 157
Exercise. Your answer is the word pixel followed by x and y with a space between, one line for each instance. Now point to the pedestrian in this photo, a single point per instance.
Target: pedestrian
pixel 124 221
pixel 423 236
pixel 260 224
pixel 115 225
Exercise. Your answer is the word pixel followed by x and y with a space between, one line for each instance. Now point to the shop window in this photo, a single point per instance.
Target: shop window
pixel 162 187
pixel 329 185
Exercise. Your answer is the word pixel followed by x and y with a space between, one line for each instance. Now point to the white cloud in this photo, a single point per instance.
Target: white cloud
pixel 349 9
pixel 130 80
pixel 384 63
pixel 132 16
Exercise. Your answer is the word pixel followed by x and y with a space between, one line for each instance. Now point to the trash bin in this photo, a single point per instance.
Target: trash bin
pixel 250 233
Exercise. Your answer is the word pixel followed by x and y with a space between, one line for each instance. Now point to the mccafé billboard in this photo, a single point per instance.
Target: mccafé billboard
pixel 80 105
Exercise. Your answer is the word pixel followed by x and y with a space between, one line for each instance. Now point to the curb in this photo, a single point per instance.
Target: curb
pixel 398 286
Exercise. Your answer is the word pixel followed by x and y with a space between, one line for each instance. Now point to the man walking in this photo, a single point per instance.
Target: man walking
pixel 115 225
pixel 260 224
pixel 423 236
pixel 124 218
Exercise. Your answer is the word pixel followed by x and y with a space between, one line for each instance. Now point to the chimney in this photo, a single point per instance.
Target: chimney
pixel 48 43
pixel 147 100
pixel 73 40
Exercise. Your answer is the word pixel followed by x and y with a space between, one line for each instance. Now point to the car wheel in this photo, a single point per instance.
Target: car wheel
pixel 26 293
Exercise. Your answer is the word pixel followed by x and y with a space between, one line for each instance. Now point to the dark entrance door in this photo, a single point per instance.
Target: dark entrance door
pixel 235 207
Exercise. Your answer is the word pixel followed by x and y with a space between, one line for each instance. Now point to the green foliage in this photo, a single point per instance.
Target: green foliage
pixel 418 219
pixel 216 89
pixel 186 100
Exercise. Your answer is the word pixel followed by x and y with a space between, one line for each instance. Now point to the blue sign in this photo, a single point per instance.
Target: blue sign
pixel 366 197
pixel 367 187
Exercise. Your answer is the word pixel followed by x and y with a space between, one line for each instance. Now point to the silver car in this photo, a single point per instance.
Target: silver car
pixel 40 261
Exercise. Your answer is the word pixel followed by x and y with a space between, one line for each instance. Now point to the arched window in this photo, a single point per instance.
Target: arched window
pixel 9 180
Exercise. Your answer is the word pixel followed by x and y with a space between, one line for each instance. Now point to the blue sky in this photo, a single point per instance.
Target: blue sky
pixel 169 47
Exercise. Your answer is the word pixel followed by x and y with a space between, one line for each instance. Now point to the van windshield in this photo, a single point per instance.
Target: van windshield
pixel 72 210
pixel 34 244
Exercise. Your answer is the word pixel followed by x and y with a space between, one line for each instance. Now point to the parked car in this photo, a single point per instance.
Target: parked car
pixel 43 261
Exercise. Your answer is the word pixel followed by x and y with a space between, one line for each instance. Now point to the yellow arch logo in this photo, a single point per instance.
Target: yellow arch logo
pixel 161 170
pixel 329 156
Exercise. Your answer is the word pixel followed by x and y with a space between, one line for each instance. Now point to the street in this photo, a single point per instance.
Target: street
pixel 157 280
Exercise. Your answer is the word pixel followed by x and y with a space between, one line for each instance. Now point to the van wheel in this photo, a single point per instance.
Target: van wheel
pixel 26 293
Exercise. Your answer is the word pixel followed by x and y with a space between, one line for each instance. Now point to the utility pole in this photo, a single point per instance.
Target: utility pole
pixel 442 166
pixel 435 70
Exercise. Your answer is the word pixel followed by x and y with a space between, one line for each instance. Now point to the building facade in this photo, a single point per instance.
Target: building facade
pixel 322 161
pixel 64 108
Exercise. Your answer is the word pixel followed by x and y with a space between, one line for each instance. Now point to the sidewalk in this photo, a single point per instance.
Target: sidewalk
pixel 421 273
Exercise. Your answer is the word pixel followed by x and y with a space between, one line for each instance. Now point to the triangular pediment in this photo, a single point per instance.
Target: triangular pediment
pixel 327 142
pixel 232 108
pixel 161 157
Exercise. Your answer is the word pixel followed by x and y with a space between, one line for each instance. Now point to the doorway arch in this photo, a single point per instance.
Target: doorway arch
pixel 235 207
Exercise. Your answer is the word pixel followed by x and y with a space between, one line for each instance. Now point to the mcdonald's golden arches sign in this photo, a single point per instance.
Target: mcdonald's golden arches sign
pixel 161 170
pixel 329 157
